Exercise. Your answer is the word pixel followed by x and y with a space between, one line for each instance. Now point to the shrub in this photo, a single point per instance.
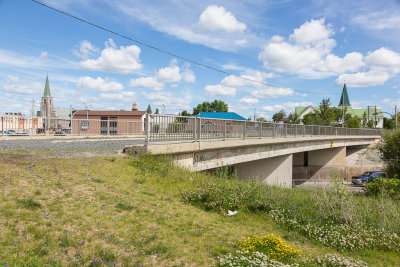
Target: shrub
pixel 333 260
pixel 230 194
pixel 384 187
pixel 389 149
pixel 271 245
pixel 246 259
pixel 340 236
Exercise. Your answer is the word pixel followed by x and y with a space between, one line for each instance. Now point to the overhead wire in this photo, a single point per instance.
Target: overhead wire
pixel 173 54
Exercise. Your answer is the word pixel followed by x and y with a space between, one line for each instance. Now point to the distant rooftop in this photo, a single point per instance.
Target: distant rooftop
pixel 110 113
pixel 221 115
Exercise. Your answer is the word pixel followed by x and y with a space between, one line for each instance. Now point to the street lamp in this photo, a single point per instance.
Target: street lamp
pixel 394 117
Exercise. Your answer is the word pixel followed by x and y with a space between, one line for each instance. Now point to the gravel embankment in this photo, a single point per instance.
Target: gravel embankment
pixel 68 144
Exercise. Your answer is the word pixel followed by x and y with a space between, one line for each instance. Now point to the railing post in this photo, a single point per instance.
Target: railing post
pixel 195 129
pixel 199 129
pixel 285 125
pixel 147 129
pixel 244 130
pixel 274 133
pixel 261 126
pixel 224 130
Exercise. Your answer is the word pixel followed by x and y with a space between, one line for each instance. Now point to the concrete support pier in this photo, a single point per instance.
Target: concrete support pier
pixel 319 165
pixel 272 171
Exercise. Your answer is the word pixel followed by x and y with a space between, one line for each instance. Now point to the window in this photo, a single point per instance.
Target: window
pixel 84 125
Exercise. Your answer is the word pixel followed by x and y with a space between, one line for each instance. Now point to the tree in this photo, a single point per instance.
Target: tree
pixel 185 113
pixel 293 118
pixel 326 113
pixel 148 110
pixel 311 119
pixel 261 119
pixel 353 122
pixel 215 106
pixel 388 123
pixel 370 124
pixel 157 111
pixel 364 120
pixel 279 116
pixel 389 149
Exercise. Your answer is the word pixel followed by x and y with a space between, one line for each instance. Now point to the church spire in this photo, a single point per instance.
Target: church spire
pixel 344 99
pixel 47 88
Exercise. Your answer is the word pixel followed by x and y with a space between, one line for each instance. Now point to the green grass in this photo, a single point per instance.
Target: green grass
pixel 127 211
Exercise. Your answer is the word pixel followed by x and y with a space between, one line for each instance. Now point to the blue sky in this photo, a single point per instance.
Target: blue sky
pixel 312 46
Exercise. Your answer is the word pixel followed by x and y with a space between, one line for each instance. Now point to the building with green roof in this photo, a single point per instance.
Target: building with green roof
pixel 345 102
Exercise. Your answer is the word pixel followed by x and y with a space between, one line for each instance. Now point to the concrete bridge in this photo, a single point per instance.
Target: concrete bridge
pixel 284 159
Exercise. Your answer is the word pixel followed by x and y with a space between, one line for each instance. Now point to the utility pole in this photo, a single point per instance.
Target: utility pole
pixel 375 123
pixel 87 110
pixel 368 115
pixel 70 114
pixel 33 108
pixel 255 114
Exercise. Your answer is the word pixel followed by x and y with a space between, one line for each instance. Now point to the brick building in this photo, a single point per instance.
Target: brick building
pixel 105 122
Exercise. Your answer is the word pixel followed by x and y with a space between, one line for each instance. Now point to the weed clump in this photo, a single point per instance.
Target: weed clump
pixel 229 195
pixel 29 203
pixel 123 206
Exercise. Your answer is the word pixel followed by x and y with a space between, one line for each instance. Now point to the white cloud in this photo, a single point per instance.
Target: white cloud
pixel 384 58
pixel 391 102
pixel 288 106
pixel 44 54
pixel 248 100
pixel 123 60
pixel 169 74
pixel 308 54
pixel 124 96
pixel 363 79
pixel 86 49
pixel 212 31
pixel 380 20
pixel 169 100
pixel 383 64
pixel 272 92
pixel 219 91
pixel 215 18
pixel 99 84
pixel 312 32
pixel 16 86
pixel 233 67
pixel 147 83
pixel 258 76
pixel 241 42
pixel 188 75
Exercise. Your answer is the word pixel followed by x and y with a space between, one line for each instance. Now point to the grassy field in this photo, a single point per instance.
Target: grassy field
pixel 124 212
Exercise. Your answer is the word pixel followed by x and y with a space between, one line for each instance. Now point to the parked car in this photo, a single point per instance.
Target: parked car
pixel 367 177
pixel 59 133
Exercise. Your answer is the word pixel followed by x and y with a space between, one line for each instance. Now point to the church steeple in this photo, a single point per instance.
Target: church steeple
pixel 344 99
pixel 47 88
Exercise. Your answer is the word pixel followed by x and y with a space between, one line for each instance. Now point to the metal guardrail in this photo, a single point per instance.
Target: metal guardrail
pixel 18 126
pixel 170 128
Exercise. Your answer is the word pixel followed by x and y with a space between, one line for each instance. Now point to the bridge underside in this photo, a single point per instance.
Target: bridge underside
pixel 281 161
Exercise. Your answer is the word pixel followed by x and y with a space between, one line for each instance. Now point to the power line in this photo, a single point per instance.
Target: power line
pixel 169 53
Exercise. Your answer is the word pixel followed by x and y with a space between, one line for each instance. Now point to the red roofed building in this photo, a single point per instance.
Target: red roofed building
pixel 107 122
